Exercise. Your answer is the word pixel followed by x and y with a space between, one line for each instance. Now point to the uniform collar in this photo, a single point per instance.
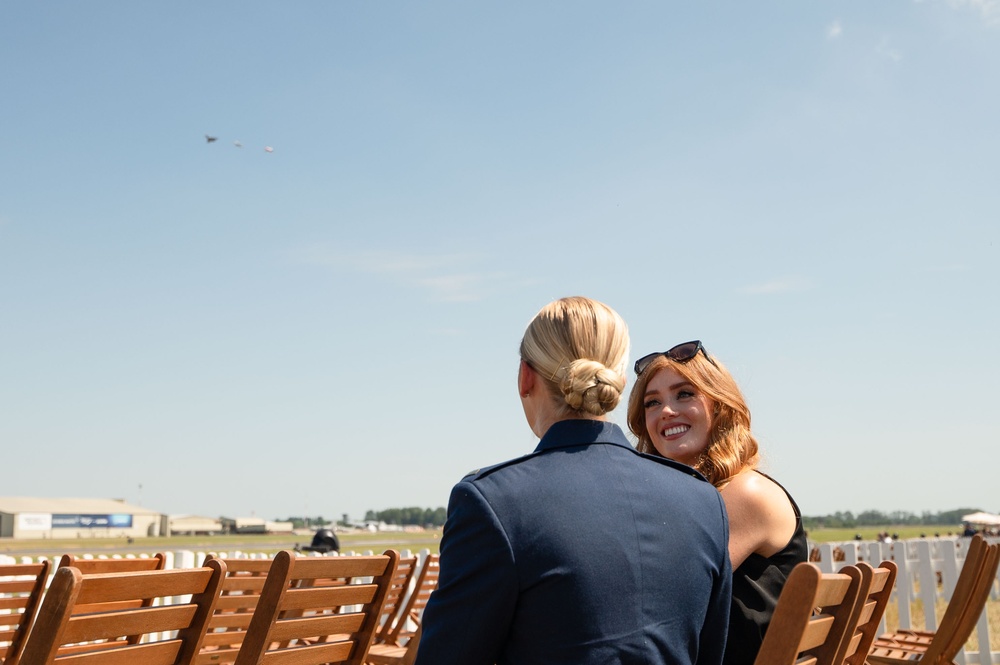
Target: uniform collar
pixel 580 432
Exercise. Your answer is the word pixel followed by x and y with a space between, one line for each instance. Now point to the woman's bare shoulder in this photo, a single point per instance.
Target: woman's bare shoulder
pixel 761 510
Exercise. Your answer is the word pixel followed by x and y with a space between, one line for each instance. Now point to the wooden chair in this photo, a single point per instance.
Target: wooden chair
pixel 391 609
pixel 390 654
pixel 21 588
pixel 405 569
pixel 95 566
pixel 90 566
pixel 813 615
pixel 413 610
pixel 941 647
pixel 324 633
pixel 62 634
pixel 238 598
pixel 879 582
pixel 961 596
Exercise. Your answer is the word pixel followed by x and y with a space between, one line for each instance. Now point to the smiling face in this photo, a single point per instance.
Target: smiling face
pixel 678 417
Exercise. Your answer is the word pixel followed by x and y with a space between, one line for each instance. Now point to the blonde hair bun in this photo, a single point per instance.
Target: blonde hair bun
pixel 579 348
pixel 591 387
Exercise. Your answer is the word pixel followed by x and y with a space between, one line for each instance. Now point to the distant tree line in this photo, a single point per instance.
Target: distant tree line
pixel 848 519
pixel 305 522
pixel 839 520
pixel 408 516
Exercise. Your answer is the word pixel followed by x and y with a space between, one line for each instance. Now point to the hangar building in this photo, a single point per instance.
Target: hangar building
pixel 31 517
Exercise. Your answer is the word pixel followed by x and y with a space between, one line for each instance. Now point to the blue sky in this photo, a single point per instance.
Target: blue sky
pixel 332 327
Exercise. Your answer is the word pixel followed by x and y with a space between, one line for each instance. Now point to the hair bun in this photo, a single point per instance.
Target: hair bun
pixel 591 387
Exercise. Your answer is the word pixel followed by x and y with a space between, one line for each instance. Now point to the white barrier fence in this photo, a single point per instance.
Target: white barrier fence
pixel 923 563
pixel 928 571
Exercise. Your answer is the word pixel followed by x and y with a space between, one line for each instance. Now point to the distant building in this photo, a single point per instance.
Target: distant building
pixel 280 527
pixel 195 525
pixel 38 518
pixel 244 525
pixel 254 525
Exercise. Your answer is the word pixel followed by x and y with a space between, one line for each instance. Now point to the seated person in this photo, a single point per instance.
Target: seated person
pixel 687 407
pixel 584 552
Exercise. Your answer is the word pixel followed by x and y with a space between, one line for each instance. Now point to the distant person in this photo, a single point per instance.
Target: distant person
pixel 687 407
pixel 584 552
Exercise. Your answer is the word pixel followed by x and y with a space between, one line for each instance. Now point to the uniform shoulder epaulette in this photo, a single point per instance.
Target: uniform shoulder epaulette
pixel 680 466
pixel 486 470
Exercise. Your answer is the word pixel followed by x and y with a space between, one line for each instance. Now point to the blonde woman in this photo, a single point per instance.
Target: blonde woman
pixel 584 552
pixel 686 406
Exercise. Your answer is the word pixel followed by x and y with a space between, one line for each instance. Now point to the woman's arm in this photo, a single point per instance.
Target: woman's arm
pixel 467 617
pixel 761 518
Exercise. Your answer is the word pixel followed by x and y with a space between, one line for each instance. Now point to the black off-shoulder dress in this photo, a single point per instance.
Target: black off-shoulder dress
pixel 757 583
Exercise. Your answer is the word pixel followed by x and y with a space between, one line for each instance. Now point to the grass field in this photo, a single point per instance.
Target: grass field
pixel 270 544
pixel 400 540
pixel 872 532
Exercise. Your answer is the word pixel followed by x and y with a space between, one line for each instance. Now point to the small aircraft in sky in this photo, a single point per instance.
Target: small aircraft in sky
pixel 237 143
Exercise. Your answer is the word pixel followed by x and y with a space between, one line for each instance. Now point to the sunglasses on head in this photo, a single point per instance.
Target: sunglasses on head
pixel 681 353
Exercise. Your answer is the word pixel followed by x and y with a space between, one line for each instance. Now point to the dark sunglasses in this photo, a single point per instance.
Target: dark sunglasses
pixel 681 353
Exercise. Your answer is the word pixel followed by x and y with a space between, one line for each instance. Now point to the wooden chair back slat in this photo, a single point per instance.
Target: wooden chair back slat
pixel 880 582
pixel 125 587
pixel 412 611
pixel 91 566
pixel 346 567
pixel 333 652
pixel 391 654
pixel 406 568
pixel 965 587
pixel 110 606
pixel 230 622
pixel 311 597
pixel 234 603
pixel 229 638
pixel 317 627
pixel 144 620
pixel 18 586
pixel 293 611
pixel 251 582
pixel 63 636
pixel 816 632
pixel 966 623
pixel 23 585
pixel 157 653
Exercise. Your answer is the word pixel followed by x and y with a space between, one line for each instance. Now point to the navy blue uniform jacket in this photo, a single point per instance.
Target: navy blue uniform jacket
pixel 583 552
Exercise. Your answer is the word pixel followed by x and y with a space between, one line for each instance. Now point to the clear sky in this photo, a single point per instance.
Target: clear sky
pixel 808 187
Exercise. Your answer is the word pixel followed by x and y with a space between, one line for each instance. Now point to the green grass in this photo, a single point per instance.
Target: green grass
pixel 871 532
pixel 358 542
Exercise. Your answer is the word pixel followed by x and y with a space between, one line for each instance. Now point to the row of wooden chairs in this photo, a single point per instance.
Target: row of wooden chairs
pixel 309 610
pixel 833 618
pixel 22 587
pixel 940 647
pixel 289 609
